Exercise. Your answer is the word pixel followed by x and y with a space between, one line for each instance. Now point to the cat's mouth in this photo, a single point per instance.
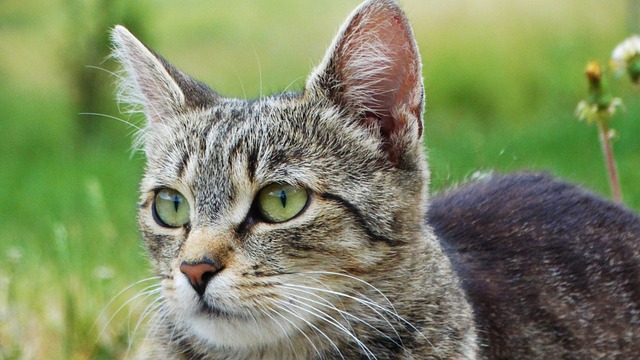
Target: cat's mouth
pixel 216 310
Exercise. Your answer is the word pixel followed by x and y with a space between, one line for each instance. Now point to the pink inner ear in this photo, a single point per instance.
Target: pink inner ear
pixel 380 68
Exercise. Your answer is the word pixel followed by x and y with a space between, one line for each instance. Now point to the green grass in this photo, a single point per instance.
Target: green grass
pixel 502 82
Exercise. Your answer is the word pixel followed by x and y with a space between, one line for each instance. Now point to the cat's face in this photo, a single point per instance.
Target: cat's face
pixel 226 162
pixel 269 218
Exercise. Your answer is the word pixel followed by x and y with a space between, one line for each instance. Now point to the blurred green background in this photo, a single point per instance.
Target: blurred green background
pixel 502 78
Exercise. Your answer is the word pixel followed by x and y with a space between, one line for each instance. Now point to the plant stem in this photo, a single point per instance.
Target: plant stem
pixel 610 163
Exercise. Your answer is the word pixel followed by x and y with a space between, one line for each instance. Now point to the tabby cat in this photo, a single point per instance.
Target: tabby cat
pixel 293 226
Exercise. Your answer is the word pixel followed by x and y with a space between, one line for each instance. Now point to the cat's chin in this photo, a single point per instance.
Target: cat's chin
pixel 236 332
pixel 228 326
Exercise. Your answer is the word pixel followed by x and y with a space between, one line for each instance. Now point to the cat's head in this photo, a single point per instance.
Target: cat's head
pixel 256 211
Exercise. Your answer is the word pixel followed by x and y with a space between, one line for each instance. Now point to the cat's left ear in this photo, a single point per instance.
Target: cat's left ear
pixel 373 69
pixel 152 83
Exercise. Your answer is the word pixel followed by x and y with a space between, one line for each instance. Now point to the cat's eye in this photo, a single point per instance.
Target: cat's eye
pixel 170 208
pixel 281 202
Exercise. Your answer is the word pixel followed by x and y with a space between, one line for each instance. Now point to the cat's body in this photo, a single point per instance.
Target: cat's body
pixel 551 270
pixel 293 226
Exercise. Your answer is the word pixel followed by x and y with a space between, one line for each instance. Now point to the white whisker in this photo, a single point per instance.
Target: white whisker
pixel 292 83
pixel 370 304
pixel 114 118
pixel 244 93
pixel 255 52
pixel 122 292
pixel 148 311
pixel 160 318
pixel 381 315
pixel 294 314
pixel 265 311
pixel 323 301
pixel 346 314
pixel 356 279
pixel 143 293
pixel 332 321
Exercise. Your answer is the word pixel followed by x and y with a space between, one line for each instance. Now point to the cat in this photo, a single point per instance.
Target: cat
pixel 299 225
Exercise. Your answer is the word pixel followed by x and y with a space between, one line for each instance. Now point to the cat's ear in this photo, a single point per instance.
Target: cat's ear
pixel 373 68
pixel 149 82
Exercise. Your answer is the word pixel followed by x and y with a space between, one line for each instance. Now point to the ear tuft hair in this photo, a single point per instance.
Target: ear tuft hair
pixel 373 68
pixel 151 84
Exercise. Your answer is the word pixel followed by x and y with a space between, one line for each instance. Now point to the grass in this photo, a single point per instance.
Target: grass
pixel 502 81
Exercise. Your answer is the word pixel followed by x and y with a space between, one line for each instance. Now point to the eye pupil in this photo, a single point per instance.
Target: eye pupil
pixel 176 202
pixel 283 198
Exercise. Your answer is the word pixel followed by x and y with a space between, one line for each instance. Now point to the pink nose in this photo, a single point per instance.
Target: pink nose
pixel 199 273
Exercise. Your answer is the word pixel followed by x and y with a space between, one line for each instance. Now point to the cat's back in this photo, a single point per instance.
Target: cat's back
pixel 551 270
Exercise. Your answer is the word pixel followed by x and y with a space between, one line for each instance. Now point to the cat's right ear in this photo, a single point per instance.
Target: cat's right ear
pixel 373 69
pixel 153 85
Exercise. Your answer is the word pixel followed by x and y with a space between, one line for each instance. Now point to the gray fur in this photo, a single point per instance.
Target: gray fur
pixel 358 274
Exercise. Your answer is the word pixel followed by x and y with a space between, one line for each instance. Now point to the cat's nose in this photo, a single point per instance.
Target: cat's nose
pixel 199 273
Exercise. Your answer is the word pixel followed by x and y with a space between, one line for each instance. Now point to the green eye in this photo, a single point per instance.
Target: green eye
pixel 170 209
pixel 279 202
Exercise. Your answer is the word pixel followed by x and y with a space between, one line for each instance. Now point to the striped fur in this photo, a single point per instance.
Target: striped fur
pixel 358 274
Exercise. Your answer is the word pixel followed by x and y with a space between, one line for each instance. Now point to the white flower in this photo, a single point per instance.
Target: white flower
pixel 624 52
pixel 594 112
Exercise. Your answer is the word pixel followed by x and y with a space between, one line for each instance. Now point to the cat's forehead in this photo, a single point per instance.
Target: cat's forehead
pixel 280 139
pixel 226 125
pixel 258 135
pixel 241 126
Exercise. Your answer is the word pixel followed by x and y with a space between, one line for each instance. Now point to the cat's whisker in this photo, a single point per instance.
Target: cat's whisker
pixel 351 277
pixel 237 73
pixel 284 306
pixel 137 299
pixel 174 328
pixel 364 300
pixel 255 52
pixel 362 296
pixel 141 296
pixel 265 311
pixel 137 128
pixel 345 314
pixel 150 309
pixel 154 322
pixel 292 83
pixel 137 132
pixel 380 315
pixel 152 278
pixel 115 297
pixel 322 301
pixel 160 317
pixel 292 296
pixel 310 309
pixel 397 341
pixel 145 293
pixel 304 334
pixel 371 305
